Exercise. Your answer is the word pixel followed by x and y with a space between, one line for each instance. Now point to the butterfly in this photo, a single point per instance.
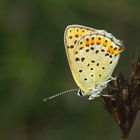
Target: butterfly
pixel 92 56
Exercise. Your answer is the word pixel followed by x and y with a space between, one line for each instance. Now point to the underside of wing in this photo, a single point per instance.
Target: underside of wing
pixel 72 35
pixel 94 59
pixel 92 56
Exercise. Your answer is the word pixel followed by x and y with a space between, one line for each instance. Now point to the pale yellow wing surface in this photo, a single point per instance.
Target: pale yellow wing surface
pixel 92 57
pixel 72 35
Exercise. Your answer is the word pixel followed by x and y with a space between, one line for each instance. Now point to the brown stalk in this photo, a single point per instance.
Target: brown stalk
pixel 125 101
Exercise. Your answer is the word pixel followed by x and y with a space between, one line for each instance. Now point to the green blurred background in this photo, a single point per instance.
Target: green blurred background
pixel 33 65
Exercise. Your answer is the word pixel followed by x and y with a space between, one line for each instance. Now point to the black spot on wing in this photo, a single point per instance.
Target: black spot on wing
pixel 77 59
pixel 82 59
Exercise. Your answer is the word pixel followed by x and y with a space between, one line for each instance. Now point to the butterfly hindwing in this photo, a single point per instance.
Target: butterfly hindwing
pixel 93 62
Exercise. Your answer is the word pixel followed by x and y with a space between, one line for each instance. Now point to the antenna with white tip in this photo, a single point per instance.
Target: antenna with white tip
pixel 64 92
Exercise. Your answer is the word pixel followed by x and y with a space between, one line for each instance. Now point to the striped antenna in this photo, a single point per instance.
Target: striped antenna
pixel 64 92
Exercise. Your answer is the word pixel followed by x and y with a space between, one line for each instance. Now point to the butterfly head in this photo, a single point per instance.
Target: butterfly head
pixel 80 93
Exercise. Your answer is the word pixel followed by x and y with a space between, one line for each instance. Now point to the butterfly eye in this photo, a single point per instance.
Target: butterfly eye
pixel 80 93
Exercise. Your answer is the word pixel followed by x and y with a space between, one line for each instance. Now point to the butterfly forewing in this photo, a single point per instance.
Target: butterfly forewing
pixel 72 35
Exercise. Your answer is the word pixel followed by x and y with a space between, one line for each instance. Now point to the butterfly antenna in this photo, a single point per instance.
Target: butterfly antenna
pixel 61 93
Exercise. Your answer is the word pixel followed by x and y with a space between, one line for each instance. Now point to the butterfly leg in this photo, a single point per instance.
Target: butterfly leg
pixel 98 90
pixel 95 94
pixel 109 96
pixel 103 85
pixel 110 79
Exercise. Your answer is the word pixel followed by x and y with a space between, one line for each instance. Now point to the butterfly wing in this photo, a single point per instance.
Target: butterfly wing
pixel 92 58
pixel 72 35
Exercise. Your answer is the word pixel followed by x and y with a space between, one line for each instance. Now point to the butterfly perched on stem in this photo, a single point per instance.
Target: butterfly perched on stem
pixel 92 55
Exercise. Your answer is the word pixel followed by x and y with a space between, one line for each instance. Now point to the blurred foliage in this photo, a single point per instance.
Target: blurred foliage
pixel 33 65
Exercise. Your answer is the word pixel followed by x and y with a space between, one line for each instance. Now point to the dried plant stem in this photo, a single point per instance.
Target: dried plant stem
pixel 125 104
